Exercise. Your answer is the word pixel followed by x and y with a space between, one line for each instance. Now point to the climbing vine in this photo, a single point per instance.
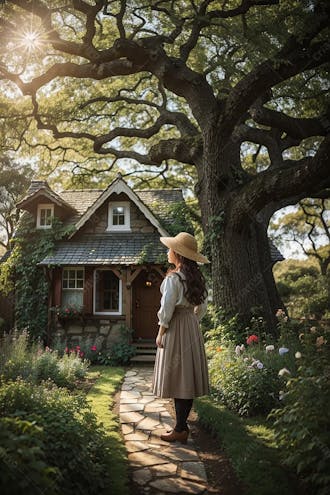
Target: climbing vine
pixel 22 275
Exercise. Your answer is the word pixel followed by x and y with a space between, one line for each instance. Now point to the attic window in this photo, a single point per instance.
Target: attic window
pixel 45 215
pixel 119 217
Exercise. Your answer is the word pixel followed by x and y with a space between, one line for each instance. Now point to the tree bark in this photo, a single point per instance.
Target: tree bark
pixel 241 262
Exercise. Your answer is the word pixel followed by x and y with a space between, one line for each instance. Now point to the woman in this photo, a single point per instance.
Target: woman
pixel 180 370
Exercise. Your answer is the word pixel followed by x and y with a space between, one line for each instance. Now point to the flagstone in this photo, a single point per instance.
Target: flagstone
pixel 164 470
pixel 142 476
pixel 138 435
pixel 131 417
pixel 147 424
pixel 127 429
pixel 193 470
pixel 146 459
pixel 131 407
pixel 136 446
pixel 174 485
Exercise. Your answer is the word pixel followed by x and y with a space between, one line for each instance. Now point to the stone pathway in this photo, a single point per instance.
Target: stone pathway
pixel 158 467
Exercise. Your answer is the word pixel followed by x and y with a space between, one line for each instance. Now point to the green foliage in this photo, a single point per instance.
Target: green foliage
pixel 249 377
pixel 14 180
pixel 249 444
pixel 219 327
pixel 22 459
pixel 22 274
pixel 74 442
pixel 305 292
pixel 29 361
pixel 120 352
pixel 241 385
pixel 302 424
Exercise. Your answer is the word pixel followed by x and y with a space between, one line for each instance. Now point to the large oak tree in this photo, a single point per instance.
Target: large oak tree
pixel 198 82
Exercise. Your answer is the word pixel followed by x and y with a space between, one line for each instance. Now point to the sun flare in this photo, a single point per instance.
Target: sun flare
pixel 31 40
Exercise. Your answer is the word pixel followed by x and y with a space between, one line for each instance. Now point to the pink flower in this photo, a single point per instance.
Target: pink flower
pixel 66 350
pixel 251 339
pixel 81 354
pixel 78 347
pixel 67 310
pixel 93 348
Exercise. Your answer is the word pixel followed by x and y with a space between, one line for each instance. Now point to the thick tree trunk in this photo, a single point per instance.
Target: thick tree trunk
pixel 241 267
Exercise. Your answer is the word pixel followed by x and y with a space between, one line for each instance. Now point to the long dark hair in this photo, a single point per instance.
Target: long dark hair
pixel 194 283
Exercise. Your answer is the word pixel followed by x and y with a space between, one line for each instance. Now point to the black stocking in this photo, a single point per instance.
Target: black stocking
pixel 182 410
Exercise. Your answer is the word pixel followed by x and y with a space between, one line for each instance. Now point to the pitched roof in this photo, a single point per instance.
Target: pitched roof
pixel 41 188
pixel 119 186
pixel 100 249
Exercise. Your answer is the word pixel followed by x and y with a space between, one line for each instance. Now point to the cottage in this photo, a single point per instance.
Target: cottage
pixel 110 268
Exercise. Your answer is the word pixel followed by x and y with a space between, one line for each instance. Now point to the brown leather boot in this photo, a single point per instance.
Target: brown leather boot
pixel 176 436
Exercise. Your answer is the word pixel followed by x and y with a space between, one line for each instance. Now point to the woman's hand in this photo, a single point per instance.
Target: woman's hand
pixel 159 337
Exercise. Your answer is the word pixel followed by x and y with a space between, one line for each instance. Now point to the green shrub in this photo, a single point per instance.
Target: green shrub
pixel 73 441
pixel 22 459
pixel 244 385
pixel 18 358
pixel 119 354
pixel 302 424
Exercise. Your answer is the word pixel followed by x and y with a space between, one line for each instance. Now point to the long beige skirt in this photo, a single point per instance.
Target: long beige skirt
pixel 181 367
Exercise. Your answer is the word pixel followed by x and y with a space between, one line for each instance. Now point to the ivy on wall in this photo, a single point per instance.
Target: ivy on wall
pixel 22 275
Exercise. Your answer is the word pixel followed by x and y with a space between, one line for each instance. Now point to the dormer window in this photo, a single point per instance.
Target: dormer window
pixel 45 215
pixel 119 217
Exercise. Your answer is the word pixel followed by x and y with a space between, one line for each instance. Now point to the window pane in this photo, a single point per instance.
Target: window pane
pixel 72 298
pixel 107 291
pixel 80 284
pixel 80 274
pixel 65 284
pixel 65 274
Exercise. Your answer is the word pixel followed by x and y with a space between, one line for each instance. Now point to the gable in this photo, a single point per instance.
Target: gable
pixel 116 189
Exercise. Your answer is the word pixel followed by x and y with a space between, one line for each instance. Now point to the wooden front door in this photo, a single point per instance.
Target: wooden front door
pixel 146 303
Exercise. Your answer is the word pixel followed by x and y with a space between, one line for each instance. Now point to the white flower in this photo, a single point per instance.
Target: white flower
pixel 260 365
pixel 269 348
pixel 298 355
pixel 238 350
pixel 242 347
pixel 281 394
pixel 246 359
pixel 284 371
pixel 283 350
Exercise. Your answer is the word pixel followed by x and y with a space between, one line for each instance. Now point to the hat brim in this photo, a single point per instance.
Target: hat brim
pixel 179 248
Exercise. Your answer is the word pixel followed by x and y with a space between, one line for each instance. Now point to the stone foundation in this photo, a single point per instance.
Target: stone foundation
pixel 103 332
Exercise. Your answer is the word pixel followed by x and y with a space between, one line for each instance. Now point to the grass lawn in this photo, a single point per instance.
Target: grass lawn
pixel 249 444
pixel 101 397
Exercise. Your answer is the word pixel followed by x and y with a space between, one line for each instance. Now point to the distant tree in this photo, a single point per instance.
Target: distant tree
pixel 309 227
pixel 303 289
pixel 14 181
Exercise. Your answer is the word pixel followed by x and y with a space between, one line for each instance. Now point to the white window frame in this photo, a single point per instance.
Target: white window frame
pixel 127 212
pixel 120 289
pixel 44 206
pixel 81 268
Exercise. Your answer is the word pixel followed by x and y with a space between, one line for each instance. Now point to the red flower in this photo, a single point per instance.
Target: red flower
pixel 251 339
pixel 78 347
pixel 81 354
pixel 93 348
pixel 67 310
pixel 66 350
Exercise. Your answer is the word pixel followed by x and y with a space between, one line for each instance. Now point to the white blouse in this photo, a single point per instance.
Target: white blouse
pixel 173 295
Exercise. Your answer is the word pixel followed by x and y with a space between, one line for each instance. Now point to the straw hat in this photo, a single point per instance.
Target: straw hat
pixel 186 245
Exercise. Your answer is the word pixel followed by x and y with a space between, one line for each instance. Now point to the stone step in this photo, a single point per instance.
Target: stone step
pixel 150 358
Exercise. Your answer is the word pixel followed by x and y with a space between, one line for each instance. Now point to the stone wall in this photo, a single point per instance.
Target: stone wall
pixel 103 332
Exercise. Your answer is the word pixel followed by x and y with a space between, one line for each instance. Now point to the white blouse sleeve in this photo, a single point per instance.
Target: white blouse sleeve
pixel 170 297
pixel 201 309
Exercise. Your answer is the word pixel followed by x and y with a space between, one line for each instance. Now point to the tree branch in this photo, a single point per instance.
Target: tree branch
pixel 294 127
pixel 299 54
pixel 273 185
